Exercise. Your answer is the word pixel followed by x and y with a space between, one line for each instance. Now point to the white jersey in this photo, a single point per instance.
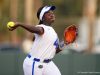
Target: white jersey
pixel 44 46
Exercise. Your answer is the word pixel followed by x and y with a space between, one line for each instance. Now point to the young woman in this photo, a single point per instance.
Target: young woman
pixel 45 44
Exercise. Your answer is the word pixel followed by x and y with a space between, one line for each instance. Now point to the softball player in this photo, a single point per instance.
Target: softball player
pixel 45 45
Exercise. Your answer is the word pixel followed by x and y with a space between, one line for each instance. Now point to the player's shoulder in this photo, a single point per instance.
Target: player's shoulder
pixel 44 26
pixel 41 25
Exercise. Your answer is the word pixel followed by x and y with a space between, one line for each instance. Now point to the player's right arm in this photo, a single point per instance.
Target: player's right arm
pixel 30 28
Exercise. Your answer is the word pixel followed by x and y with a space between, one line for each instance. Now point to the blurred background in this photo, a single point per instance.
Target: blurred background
pixel 79 58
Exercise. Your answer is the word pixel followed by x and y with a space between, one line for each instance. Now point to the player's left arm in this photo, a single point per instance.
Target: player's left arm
pixel 58 50
pixel 60 47
pixel 70 35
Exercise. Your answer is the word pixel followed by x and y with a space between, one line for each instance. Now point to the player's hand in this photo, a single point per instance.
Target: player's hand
pixel 12 27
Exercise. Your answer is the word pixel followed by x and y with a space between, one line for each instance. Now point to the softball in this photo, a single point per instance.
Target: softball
pixel 10 24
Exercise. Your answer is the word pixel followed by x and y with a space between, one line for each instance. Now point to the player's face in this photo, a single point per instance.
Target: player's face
pixel 49 17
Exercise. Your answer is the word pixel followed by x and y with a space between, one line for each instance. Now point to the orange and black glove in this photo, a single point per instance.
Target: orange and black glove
pixel 70 34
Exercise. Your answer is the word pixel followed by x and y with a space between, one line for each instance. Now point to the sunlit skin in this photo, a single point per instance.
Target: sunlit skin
pixel 48 18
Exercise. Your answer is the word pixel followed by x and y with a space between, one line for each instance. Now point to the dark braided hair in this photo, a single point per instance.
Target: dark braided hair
pixel 38 14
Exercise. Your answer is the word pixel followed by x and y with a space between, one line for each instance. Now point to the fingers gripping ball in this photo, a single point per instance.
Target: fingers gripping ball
pixel 10 24
pixel 70 34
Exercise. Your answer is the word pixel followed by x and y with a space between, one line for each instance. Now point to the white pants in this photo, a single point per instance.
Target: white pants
pixel 48 68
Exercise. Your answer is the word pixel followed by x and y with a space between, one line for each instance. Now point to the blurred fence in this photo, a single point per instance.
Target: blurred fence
pixel 11 63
